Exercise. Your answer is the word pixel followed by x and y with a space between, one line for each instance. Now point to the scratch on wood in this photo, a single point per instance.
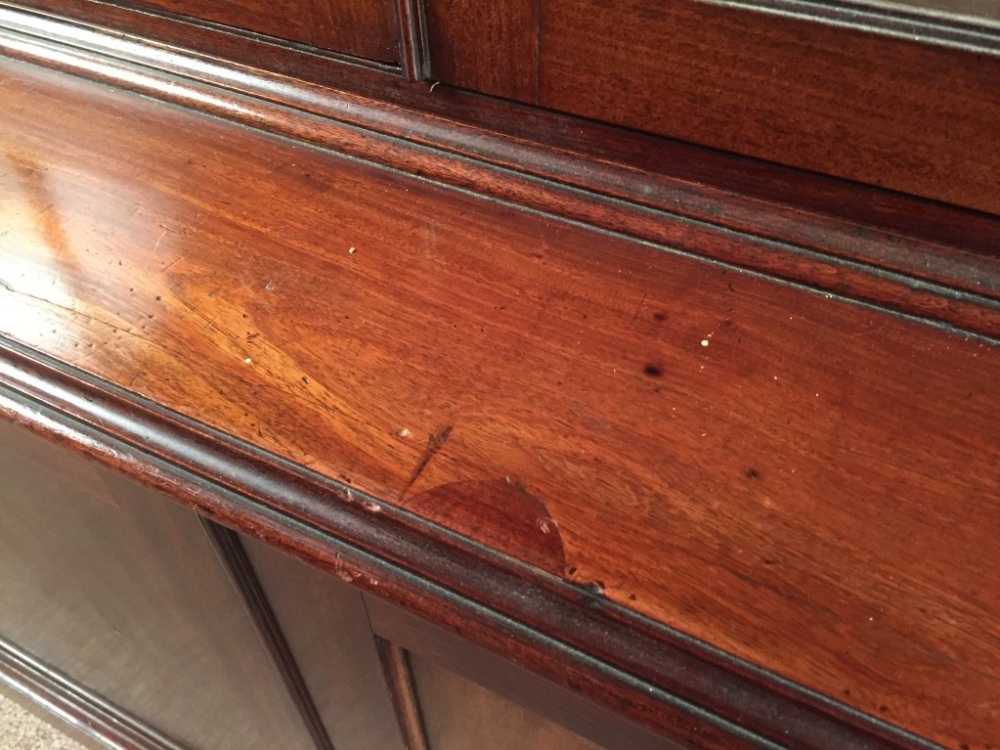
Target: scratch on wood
pixel 160 239
pixel 173 262
pixel 638 308
pixel 434 443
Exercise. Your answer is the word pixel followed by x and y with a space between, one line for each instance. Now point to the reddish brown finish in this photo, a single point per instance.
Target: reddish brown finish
pixel 575 638
pixel 726 454
pixel 326 625
pixel 891 245
pixel 117 585
pixel 501 514
pixel 903 114
pixel 488 47
pixel 362 28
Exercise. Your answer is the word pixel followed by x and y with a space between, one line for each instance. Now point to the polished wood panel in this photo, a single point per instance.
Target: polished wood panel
pixel 233 558
pixel 458 713
pixel 326 625
pixel 867 244
pixel 119 587
pixel 86 717
pixel 488 47
pixel 572 636
pixel 365 28
pixel 908 114
pixel 782 447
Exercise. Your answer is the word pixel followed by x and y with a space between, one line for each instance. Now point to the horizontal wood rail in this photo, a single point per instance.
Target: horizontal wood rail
pixel 717 452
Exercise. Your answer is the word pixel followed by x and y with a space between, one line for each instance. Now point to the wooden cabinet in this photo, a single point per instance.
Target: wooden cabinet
pixel 364 28
pixel 119 588
pixel 435 375
pixel 201 635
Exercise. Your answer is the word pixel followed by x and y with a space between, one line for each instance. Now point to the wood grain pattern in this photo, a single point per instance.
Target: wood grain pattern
pixel 570 635
pixel 868 244
pixel 80 713
pixel 904 113
pixel 365 28
pixel 118 587
pixel 728 455
pixel 487 47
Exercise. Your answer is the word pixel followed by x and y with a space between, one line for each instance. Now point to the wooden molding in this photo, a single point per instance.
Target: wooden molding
pixel 399 682
pixel 665 680
pixel 413 35
pixel 889 20
pixel 933 264
pixel 237 566
pixel 83 713
pixel 930 262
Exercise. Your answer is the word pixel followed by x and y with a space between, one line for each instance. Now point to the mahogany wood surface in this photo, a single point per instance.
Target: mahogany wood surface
pixel 117 585
pixel 801 481
pixel 904 113
pixel 443 657
pixel 901 253
pixel 79 712
pixel 683 688
pixel 365 28
pixel 487 47
pixel 326 625
pixel 235 562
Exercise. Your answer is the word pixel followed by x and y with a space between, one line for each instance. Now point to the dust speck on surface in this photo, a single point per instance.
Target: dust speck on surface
pixel 247 360
pixel 351 250
pixel 402 432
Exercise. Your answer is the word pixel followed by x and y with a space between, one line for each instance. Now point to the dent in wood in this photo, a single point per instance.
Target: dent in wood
pixel 501 514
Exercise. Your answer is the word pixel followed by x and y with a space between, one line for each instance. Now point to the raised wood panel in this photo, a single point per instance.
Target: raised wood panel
pixel 461 715
pixel 465 690
pixel 363 28
pixel 119 588
pixel 488 47
pixel 326 625
pixel 908 115
pixel 803 482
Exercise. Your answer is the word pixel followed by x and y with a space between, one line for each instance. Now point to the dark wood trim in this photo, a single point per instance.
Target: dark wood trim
pixel 399 681
pixel 411 635
pixel 895 21
pixel 674 684
pixel 413 39
pixel 879 147
pixel 234 560
pixel 82 713
pixel 930 262
pixel 214 39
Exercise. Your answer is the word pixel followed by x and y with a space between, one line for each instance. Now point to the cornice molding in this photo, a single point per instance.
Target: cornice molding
pixel 928 262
